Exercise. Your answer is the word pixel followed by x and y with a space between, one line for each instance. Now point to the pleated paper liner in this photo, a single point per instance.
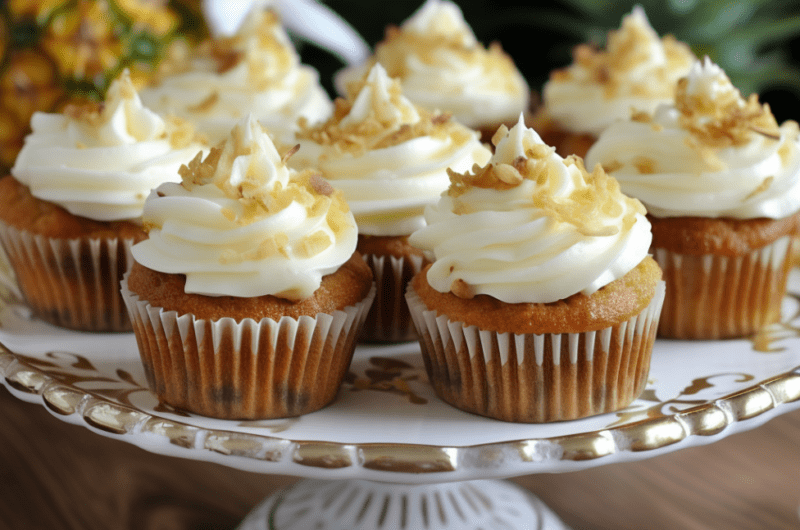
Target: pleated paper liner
pixel 248 369
pixel 389 319
pixel 716 297
pixel 537 378
pixel 71 283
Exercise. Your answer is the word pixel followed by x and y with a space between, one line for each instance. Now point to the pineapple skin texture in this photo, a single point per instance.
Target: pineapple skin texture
pixel 59 52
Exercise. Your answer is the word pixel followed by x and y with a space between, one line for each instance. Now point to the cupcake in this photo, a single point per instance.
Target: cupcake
pixel 256 71
pixel 721 182
pixel 637 70
pixel 71 209
pixel 441 66
pixel 247 297
pixel 541 303
pixel 390 159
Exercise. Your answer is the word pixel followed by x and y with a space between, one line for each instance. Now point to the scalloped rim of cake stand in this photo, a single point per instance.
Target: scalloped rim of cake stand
pixel 402 462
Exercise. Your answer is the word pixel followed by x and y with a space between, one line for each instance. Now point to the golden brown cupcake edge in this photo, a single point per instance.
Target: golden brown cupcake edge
pixel 719 236
pixel 342 288
pixel 397 246
pixel 20 209
pixel 610 305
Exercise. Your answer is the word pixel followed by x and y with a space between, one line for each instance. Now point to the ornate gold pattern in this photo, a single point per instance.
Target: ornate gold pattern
pixel 766 338
pixel 676 404
pixel 388 376
pixel 109 399
pixel 59 377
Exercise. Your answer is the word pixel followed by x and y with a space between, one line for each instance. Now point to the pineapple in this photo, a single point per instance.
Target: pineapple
pixel 56 52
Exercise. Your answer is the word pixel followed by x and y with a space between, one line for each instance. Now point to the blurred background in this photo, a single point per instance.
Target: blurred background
pixel 757 42
pixel 54 52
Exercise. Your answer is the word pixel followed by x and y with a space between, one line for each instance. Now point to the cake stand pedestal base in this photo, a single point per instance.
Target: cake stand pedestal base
pixel 366 505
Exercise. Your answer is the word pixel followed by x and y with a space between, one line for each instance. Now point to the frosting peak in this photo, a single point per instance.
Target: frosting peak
pixel 442 19
pixel 563 189
pixel 531 227
pixel 100 160
pixel 714 111
pixel 388 156
pixel 256 71
pixel 710 153
pixel 381 99
pixel 636 44
pixel 636 70
pixel 243 224
pixel 441 66
pixel 121 119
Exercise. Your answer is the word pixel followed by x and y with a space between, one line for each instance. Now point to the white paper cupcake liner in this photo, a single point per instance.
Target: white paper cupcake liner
pixel 537 378
pixel 715 297
pixel 389 319
pixel 72 283
pixel 248 369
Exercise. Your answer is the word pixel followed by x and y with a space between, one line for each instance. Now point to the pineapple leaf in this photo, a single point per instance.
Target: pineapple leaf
pixel 565 24
pixel 710 21
pixel 772 74
pixel 764 32
pixel 593 9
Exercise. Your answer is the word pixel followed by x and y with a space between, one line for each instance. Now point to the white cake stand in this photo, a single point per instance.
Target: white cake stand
pixel 388 454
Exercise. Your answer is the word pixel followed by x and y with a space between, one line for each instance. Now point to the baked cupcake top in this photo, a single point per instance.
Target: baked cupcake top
pixel 442 66
pixel 388 156
pixel 100 161
pixel 243 224
pixel 637 70
pixel 531 227
pixel 710 153
pixel 257 71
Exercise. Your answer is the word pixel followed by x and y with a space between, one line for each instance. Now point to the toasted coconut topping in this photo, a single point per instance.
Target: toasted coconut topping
pixel 261 194
pixel 401 43
pixel 723 118
pixel 259 44
pixel 595 199
pixel 764 186
pixel 381 129
pixel 92 116
pixel 90 113
pixel 206 104
pixel 181 132
pixel 633 47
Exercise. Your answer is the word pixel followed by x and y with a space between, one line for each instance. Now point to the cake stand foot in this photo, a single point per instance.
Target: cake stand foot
pixel 365 505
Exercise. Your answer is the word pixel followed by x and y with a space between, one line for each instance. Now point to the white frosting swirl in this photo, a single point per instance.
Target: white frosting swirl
pixel 709 154
pixel 637 70
pixel 243 224
pixel 532 227
pixel 388 157
pixel 101 162
pixel 255 72
pixel 441 66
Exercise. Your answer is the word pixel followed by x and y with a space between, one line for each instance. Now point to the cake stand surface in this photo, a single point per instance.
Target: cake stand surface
pixel 388 453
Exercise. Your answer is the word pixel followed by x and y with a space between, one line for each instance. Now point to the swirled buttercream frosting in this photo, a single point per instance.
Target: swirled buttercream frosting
pixel 637 70
pixel 101 161
pixel 441 66
pixel 531 227
pixel 243 224
pixel 711 153
pixel 388 156
pixel 257 71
